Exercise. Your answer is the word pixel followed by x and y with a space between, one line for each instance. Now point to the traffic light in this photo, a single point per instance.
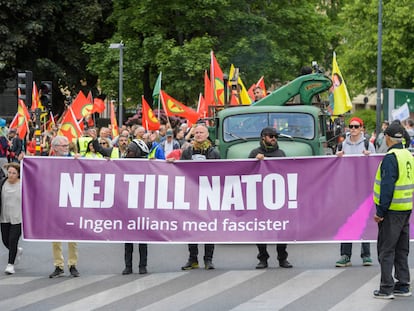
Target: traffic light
pixel 45 93
pixel 25 84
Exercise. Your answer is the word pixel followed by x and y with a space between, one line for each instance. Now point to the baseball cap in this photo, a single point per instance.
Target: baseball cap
pixel 269 131
pixel 169 133
pixel 395 130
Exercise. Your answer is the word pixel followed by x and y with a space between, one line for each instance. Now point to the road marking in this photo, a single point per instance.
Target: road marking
pixel 111 295
pixel 48 292
pixel 361 298
pixel 287 292
pixel 19 280
pixel 195 294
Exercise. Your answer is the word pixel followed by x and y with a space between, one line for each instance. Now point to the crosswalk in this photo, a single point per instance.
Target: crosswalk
pixel 235 290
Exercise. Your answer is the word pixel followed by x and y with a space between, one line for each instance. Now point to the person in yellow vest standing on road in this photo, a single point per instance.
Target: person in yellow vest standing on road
pixel 393 197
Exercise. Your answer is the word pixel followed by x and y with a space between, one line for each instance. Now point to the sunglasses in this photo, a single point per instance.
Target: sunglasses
pixel 103 143
pixel 272 136
pixel 351 126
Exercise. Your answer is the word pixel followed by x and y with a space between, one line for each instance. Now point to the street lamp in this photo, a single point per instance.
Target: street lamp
pixel 120 46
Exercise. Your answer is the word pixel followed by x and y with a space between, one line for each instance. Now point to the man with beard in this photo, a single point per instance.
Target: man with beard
pixel 200 150
pixel 112 152
pixel 269 148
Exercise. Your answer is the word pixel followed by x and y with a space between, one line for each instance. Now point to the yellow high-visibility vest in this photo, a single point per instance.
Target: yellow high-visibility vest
pixel 402 199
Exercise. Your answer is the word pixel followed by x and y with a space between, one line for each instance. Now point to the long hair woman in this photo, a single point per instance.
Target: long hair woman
pixel 11 213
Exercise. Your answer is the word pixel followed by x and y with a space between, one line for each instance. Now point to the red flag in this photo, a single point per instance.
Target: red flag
pixel 90 98
pixel 81 106
pixel 21 119
pixel 114 124
pixel 202 108
pixel 262 85
pixel 208 90
pixel 69 126
pixel 173 107
pixel 234 101
pixel 51 122
pixel 35 97
pixel 149 120
pixel 98 105
pixel 14 123
pixel 217 81
pixel 250 91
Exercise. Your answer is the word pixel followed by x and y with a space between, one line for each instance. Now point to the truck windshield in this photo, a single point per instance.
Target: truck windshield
pixel 249 125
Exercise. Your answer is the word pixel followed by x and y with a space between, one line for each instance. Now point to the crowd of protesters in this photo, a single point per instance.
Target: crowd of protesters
pixel 166 143
pixel 132 142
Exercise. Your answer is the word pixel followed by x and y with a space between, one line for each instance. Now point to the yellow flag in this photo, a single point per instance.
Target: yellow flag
pixel 244 95
pixel 342 102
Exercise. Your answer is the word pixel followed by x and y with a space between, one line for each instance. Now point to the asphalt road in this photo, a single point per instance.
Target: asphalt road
pixel 312 284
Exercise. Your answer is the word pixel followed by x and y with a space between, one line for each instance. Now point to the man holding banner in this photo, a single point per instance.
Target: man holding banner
pixel 201 149
pixel 60 148
pixel 355 143
pixel 270 148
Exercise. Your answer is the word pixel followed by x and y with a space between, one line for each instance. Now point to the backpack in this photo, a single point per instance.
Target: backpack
pixel 366 144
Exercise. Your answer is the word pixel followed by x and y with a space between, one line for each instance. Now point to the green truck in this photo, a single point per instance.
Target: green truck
pixel 304 128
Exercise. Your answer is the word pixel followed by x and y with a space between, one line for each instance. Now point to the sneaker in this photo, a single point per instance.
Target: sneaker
pixel 190 265
pixel 262 264
pixel 9 269
pixel 127 270
pixel 285 264
pixel 18 255
pixel 142 270
pixel 208 265
pixel 58 272
pixel 344 261
pixel 366 261
pixel 73 271
pixel 380 295
pixel 402 292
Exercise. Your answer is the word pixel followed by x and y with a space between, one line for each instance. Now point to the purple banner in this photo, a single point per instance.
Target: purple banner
pixel 318 199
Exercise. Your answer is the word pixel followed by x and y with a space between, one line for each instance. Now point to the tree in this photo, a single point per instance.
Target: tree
pixel 358 53
pixel 271 38
pixel 46 37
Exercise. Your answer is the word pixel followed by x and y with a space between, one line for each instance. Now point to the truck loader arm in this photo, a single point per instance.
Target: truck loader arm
pixel 306 86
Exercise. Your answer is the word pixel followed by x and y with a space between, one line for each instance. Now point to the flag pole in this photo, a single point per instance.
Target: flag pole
pixel 159 102
pixel 379 69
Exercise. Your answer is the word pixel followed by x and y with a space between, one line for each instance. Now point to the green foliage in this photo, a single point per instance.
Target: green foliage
pixel 270 38
pixel 358 53
pixel 65 41
pixel 46 38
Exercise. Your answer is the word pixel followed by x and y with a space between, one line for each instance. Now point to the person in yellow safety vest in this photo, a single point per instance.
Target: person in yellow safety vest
pixel 393 197
pixel 82 142
pixel 155 149
pixel 91 153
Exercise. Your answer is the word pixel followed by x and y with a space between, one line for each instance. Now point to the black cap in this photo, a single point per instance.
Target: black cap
pixel 395 130
pixel 268 131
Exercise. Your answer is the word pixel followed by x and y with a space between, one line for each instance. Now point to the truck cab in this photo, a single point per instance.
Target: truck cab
pixel 302 128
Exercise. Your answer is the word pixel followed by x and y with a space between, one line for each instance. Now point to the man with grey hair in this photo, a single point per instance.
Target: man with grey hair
pixel 201 149
pixel 60 148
